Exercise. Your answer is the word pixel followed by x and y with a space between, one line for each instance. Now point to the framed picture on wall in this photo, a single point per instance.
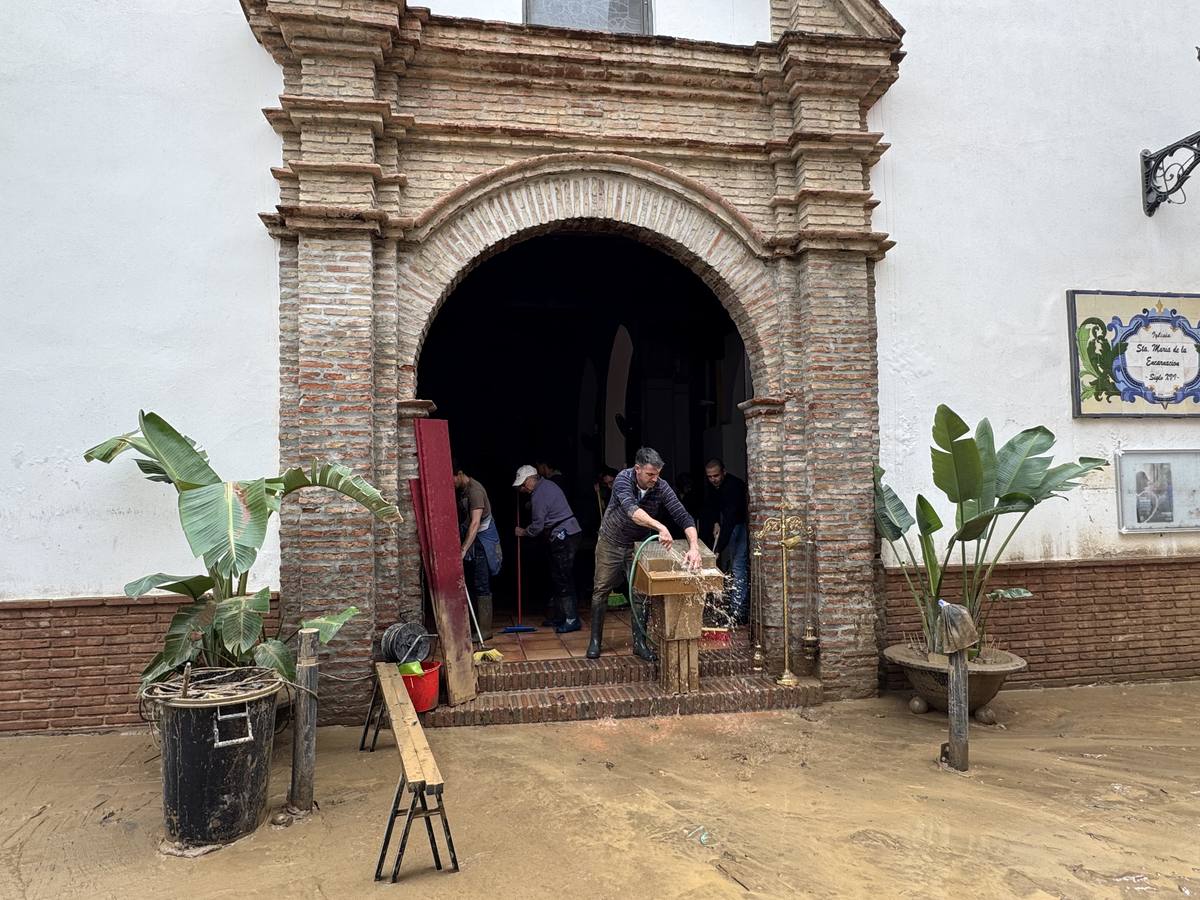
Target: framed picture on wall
pixel 1158 490
pixel 1134 353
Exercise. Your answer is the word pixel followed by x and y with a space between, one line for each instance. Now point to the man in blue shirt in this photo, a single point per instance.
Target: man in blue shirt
pixel 638 496
pixel 553 519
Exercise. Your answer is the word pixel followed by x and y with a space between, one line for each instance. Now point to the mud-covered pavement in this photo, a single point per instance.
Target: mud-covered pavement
pixel 1085 792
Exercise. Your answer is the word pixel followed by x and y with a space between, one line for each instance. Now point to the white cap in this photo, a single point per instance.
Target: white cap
pixel 523 473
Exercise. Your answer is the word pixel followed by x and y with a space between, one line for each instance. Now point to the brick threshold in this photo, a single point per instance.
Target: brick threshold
pixel 574 672
pixel 718 694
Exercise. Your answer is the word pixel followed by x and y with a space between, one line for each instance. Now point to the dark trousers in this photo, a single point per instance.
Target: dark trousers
pixel 612 571
pixel 479 579
pixel 562 575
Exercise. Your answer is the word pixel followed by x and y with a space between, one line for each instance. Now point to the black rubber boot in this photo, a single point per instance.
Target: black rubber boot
pixel 593 650
pixel 641 646
pixel 483 611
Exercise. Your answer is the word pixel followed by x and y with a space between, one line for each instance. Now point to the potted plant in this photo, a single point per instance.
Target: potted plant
pixel 993 491
pixel 216 721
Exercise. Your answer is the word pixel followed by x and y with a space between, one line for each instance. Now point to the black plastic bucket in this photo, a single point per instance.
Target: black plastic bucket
pixel 216 753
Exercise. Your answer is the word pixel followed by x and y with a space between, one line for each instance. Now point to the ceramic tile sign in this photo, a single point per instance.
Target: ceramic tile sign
pixel 1158 490
pixel 1134 353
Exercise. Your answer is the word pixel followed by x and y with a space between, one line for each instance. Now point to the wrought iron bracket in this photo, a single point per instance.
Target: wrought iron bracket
pixel 1166 172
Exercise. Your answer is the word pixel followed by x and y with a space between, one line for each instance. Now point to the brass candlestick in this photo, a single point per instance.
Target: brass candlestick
pixel 756 604
pixel 781 525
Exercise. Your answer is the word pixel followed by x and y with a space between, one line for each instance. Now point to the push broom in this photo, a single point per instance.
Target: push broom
pixel 520 627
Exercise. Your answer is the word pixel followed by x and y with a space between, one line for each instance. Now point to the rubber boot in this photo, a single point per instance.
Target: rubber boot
pixel 641 647
pixel 593 650
pixel 483 611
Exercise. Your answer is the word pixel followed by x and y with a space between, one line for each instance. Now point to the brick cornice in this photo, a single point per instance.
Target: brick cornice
pixel 414 409
pixel 58 603
pixel 762 406
pixel 1132 559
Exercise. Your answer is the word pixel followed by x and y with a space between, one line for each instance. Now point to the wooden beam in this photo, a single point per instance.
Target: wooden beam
pixel 447 587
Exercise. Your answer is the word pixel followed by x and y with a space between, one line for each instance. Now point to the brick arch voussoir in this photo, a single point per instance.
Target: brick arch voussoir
pixel 594 193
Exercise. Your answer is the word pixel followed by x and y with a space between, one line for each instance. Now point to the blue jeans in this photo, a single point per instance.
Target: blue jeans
pixel 739 592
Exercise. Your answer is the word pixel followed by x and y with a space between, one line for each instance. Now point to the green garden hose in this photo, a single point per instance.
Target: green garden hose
pixel 634 612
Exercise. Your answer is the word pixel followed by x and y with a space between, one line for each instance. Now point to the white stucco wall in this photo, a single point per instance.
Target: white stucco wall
pixel 726 21
pixel 134 272
pixel 1012 178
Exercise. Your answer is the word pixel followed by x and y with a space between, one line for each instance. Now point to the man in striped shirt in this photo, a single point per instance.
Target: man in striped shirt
pixel 639 495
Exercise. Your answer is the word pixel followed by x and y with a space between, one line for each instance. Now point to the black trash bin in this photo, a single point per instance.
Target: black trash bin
pixel 216 736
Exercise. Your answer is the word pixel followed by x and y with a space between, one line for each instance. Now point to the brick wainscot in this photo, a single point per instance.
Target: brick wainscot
pixel 1088 620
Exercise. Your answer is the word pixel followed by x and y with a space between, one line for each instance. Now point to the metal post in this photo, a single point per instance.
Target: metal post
pixel 304 727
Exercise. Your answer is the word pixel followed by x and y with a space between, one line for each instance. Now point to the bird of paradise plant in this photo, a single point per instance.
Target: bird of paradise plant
pixel 986 485
pixel 225 523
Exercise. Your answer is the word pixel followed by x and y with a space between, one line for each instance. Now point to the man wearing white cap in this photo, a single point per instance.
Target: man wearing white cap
pixel 553 520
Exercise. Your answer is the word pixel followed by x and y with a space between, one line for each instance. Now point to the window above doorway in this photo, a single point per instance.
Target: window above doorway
pixel 620 16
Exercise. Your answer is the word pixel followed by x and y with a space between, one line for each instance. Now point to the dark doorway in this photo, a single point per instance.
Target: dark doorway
pixel 576 349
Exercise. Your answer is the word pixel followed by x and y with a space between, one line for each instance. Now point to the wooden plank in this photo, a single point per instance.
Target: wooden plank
pixel 433 774
pixel 667 667
pixel 659 584
pixel 447 586
pixel 958 755
pixel 678 618
pixel 304 726
pixel 400 714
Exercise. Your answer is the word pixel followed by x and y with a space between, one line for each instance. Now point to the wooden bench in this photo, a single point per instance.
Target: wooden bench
pixel 419 772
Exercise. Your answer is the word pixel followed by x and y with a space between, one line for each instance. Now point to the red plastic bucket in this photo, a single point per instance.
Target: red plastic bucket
pixel 423 688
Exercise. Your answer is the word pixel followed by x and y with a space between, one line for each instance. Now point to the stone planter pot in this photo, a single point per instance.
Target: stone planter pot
pixel 986 674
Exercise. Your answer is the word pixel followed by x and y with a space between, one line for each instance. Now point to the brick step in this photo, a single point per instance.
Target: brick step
pixel 563 673
pixel 717 694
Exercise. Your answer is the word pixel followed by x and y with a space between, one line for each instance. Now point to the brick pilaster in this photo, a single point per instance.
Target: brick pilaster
pixel 338 377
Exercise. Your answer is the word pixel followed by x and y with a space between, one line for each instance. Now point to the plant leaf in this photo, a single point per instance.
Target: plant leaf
pixel 927 517
pixel 892 517
pixel 330 624
pixel 338 478
pixel 226 524
pixel 180 460
pixel 240 620
pixel 109 450
pixel 1066 477
pixel 193 586
pixel 277 655
pixel 152 470
pixel 947 427
pixel 985 443
pixel 156 669
pixel 1018 465
pixel 958 473
pixel 973 528
pixel 1009 594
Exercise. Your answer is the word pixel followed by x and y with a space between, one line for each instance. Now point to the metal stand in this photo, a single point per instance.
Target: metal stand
pixel 375 711
pixel 418 798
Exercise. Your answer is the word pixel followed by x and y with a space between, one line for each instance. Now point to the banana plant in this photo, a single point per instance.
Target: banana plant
pixel 225 523
pixel 986 486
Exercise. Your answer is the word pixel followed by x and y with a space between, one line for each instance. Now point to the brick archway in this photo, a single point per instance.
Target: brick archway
pixel 416 146
pixel 598 192
pixel 609 194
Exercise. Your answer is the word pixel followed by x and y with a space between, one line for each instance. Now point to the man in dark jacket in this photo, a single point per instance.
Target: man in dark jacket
pixel 638 496
pixel 553 520
pixel 725 511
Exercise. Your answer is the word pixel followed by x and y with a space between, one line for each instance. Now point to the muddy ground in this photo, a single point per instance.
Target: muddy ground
pixel 1085 792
